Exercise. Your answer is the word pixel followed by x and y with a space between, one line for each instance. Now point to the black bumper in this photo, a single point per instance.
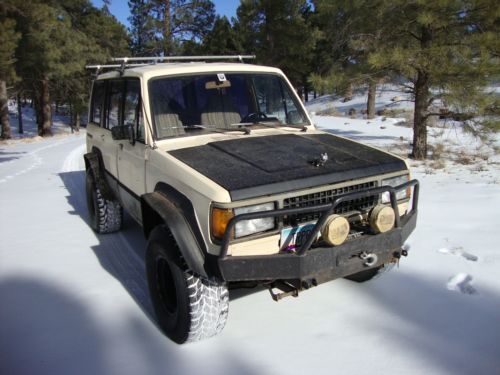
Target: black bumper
pixel 322 264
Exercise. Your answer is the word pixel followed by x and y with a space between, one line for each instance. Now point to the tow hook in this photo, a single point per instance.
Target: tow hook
pixel 370 259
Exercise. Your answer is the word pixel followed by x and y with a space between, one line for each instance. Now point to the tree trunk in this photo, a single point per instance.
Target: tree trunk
pixel 420 117
pixel 77 121
pixel 4 111
pixel 370 104
pixel 19 115
pixel 306 88
pixel 300 93
pixel 167 30
pixel 44 127
pixel 349 93
pixel 71 118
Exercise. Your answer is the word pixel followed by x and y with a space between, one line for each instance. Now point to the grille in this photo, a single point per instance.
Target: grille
pixel 328 196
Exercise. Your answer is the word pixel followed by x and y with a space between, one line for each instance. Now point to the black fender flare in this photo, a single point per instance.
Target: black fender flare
pixel 94 163
pixel 158 208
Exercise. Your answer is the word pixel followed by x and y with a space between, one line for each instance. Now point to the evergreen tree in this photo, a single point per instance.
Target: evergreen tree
pixel 446 51
pixel 277 31
pixel 104 37
pixel 49 50
pixel 182 20
pixel 142 28
pixel 349 34
pixel 9 39
pixel 222 39
pixel 58 37
pixel 161 27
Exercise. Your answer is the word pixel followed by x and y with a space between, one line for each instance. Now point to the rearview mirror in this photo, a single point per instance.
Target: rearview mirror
pixel 212 85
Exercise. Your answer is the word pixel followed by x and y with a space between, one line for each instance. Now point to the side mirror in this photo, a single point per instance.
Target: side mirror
pixel 119 133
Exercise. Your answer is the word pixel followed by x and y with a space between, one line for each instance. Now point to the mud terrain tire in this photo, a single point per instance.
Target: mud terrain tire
pixel 188 307
pixel 105 216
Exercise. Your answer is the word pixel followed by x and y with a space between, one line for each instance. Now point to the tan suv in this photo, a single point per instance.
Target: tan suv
pixel 235 187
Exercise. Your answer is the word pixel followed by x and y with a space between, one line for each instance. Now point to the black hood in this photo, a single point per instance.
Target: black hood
pixel 257 166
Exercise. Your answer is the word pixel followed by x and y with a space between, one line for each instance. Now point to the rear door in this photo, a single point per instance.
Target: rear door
pixel 131 153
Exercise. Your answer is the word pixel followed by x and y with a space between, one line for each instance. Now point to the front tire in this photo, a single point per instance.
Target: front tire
pixel 105 216
pixel 188 307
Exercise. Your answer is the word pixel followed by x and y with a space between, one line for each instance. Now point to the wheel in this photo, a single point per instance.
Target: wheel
pixel 188 307
pixel 105 215
pixel 366 275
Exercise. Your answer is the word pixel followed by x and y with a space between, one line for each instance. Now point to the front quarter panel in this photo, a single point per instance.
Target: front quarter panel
pixel 163 169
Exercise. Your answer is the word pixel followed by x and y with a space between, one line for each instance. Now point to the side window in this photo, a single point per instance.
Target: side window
pixel 132 113
pixel 97 102
pixel 115 96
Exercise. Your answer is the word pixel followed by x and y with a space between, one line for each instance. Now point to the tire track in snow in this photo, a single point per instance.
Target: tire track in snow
pixel 114 251
pixel 37 161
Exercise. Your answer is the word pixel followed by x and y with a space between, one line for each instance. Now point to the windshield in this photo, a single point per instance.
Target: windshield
pixel 222 102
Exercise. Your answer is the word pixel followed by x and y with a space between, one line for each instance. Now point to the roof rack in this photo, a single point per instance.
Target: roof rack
pixel 126 62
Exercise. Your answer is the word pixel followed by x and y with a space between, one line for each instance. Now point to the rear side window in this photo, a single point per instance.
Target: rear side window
pixel 97 102
pixel 115 97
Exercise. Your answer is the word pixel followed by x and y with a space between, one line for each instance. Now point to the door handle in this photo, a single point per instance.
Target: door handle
pixel 121 146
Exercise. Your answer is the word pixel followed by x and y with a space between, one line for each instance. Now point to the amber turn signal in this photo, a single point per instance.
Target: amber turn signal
pixel 220 218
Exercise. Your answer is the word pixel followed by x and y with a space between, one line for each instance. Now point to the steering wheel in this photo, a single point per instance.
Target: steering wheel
pixel 254 117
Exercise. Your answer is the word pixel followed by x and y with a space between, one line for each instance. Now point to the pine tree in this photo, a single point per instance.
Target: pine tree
pixel 277 31
pixel 349 34
pixel 49 51
pixel 447 51
pixel 142 28
pixel 222 39
pixel 8 44
pixel 104 37
pixel 161 27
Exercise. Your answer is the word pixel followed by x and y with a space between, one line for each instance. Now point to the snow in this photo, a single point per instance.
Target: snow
pixel 73 302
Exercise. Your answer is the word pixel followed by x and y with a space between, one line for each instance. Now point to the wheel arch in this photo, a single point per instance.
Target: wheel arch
pixel 170 207
pixel 93 161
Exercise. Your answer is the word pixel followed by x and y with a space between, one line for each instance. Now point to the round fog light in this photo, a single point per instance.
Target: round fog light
pixel 335 230
pixel 382 218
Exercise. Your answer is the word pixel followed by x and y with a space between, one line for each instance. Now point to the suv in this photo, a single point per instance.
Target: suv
pixel 234 187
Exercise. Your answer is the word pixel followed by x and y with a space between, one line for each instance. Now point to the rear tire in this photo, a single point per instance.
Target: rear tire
pixel 188 307
pixel 105 216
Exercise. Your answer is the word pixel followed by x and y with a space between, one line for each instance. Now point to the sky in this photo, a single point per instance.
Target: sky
pixel 120 9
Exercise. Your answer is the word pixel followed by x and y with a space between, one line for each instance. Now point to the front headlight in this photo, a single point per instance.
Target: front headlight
pixel 247 227
pixel 395 181
pixel 220 218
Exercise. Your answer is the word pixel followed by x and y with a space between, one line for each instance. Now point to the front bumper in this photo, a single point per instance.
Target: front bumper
pixel 322 264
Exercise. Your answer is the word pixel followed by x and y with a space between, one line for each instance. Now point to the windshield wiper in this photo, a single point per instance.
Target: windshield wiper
pixel 215 129
pixel 271 124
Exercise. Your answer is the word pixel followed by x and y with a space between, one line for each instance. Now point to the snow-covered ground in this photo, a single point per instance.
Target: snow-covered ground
pixel 73 302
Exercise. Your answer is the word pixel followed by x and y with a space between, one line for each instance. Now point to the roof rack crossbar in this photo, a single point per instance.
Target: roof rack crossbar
pixel 183 58
pixel 111 66
pixel 131 62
